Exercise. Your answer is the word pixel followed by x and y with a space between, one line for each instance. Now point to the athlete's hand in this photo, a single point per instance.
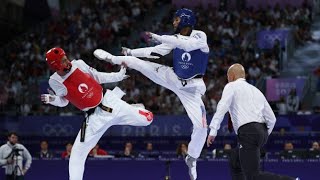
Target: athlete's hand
pixel 126 51
pixel 152 37
pixel 47 98
pixel 149 34
pixel 122 72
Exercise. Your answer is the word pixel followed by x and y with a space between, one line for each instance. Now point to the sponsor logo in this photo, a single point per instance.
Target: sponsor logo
pixel 185 57
pixel 82 88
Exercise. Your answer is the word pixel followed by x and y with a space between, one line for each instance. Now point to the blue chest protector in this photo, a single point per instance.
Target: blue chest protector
pixel 187 65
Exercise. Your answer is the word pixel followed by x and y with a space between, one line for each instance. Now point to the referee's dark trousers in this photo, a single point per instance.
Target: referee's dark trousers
pixel 12 177
pixel 245 159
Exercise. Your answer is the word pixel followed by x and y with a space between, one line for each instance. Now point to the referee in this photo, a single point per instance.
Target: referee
pixel 253 120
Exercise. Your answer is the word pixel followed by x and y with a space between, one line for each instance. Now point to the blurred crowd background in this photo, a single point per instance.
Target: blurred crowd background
pixel 94 24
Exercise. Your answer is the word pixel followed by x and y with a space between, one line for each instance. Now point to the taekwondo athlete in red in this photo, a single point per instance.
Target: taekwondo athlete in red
pixel 79 84
pixel 190 59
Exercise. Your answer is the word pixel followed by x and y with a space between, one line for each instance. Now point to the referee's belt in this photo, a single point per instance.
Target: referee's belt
pixel 88 113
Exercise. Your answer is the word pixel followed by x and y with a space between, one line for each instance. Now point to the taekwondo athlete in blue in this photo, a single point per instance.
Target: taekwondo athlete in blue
pixel 185 79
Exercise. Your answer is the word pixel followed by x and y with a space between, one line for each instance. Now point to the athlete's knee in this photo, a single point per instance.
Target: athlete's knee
pixel 133 62
pixel 201 130
pixel 79 152
pixel 200 124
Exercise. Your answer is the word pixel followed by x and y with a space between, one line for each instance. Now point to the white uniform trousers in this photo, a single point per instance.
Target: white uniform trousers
pixel 98 123
pixel 189 95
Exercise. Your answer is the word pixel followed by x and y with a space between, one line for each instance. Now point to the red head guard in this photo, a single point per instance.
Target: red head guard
pixel 53 58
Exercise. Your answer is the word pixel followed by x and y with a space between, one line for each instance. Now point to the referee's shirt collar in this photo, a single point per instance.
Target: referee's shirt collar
pixel 240 79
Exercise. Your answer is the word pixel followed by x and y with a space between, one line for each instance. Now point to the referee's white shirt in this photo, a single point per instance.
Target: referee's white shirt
pixel 245 104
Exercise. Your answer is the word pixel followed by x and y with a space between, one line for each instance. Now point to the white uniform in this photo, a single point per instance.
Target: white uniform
pixel 190 94
pixel 100 120
pixel 245 104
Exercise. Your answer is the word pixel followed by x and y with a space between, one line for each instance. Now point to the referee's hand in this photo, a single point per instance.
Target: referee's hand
pixel 210 140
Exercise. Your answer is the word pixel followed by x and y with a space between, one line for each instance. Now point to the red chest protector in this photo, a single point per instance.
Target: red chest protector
pixel 83 91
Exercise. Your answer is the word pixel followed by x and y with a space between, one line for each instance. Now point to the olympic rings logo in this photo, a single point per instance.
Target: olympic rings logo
pixel 184 66
pixel 272 37
pixel 57 129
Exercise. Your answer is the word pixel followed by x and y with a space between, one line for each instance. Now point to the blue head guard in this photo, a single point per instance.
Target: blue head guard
pixel 187 18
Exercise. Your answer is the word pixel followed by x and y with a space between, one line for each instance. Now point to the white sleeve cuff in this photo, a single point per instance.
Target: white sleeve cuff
pixel 213 132
pixel 55 101
pixel 156 37
pixel 59 101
